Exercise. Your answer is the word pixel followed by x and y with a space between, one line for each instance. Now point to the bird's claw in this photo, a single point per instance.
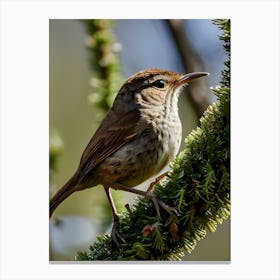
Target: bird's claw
pixel 168 209
pixel 159 203
pixel 115 235
pixel 156 181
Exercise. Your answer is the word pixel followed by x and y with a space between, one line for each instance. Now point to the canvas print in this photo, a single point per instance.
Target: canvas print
pixel 139 140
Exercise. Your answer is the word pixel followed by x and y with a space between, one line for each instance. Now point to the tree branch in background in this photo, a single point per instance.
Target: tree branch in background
pixel 191 62
pixel 103 49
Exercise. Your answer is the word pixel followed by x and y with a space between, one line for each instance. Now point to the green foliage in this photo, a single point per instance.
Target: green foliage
pixel 104 62
pixel 198 187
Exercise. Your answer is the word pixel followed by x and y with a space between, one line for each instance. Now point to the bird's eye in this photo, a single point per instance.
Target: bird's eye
pixel 159 83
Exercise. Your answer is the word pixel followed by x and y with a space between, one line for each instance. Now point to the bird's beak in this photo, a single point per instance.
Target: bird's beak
pixel 189 77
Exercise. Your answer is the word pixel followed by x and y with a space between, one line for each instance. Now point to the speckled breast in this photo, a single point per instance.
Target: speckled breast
pixel 143 157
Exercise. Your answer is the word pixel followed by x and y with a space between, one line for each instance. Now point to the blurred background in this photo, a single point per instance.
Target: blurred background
pixel 80 95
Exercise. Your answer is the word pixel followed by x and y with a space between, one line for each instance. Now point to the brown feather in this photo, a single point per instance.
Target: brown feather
pixel 113 133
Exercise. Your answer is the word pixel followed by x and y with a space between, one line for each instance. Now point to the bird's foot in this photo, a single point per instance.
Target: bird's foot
pixel 115 235
pixel 156 181
pixel 159 203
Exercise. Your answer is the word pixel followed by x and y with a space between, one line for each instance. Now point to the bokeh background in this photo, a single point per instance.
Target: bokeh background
pixel 138 44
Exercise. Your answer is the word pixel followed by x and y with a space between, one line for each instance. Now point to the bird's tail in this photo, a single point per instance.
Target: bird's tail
pixel 63 193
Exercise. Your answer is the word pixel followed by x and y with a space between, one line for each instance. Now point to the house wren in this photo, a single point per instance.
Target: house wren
pixel 139 136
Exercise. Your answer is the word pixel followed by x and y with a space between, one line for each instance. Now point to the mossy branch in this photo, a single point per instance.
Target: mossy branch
pixel 103 49
pixel 198 187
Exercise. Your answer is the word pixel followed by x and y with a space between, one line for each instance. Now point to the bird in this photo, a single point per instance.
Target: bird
pixel 138 137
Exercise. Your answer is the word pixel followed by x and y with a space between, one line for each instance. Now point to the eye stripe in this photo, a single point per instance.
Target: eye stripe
pixel 151 82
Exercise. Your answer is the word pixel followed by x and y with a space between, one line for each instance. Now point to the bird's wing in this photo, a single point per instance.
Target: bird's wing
pixel 115 131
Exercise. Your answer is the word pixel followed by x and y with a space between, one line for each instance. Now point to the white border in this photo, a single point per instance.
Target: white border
pixel 255 138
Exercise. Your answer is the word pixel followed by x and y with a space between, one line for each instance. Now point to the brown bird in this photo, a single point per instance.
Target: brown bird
pixel 139 136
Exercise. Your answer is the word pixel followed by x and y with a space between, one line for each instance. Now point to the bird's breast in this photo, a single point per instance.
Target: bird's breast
pixel 145 156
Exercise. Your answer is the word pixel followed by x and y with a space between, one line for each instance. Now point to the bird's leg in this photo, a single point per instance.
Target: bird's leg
pixel 115 229
pixel 156 181
pixel 150 195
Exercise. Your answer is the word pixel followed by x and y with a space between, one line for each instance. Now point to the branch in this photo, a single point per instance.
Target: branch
pixel 104 62
pixel 191 62
pixel 198 187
